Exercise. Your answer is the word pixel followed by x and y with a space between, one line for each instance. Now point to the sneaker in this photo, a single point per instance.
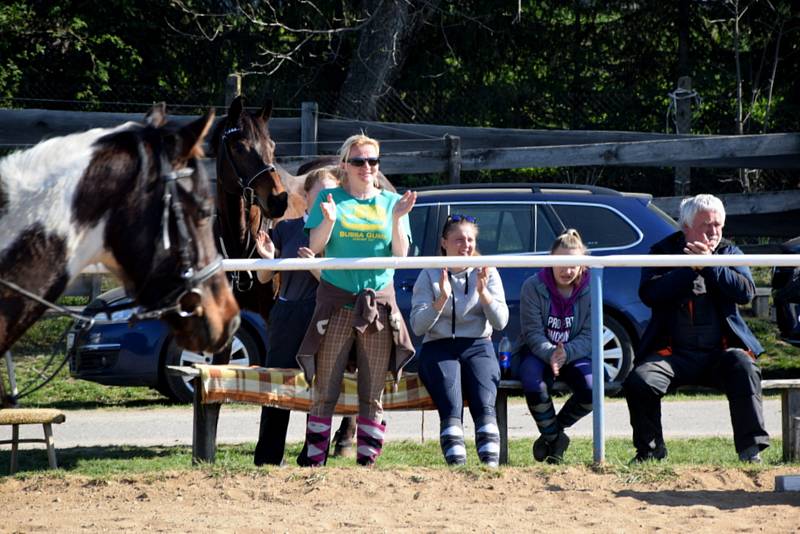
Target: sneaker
pixel 541 449
pixel 557 449
pixel 751 455
pixel 650 455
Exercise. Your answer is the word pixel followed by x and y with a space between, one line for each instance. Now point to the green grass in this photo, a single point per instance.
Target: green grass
pixel 65 392
pixel 119 461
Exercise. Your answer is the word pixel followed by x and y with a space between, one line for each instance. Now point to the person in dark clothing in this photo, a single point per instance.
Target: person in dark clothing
pixel 696 335
pixel 786 295
pixel 291 313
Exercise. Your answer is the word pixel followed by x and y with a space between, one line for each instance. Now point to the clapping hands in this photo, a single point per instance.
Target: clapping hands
pixel 558 358
pixel 264 245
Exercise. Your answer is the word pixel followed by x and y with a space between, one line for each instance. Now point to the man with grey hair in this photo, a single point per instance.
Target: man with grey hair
pixel 696 335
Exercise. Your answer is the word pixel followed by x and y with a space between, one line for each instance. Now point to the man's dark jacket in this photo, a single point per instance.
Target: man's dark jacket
pixel 663 289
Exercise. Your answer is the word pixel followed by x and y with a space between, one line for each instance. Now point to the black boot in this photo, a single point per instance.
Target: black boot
pixel 343 438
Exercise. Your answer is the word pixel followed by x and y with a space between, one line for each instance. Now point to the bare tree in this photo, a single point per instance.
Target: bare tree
pixel 382 48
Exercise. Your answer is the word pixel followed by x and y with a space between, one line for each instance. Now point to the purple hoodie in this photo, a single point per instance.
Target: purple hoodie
pixel 562 309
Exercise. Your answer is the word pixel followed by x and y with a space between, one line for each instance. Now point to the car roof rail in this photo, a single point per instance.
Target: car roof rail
pixel 535 187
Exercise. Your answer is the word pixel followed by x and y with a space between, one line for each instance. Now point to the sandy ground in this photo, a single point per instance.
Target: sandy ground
pixel 572 499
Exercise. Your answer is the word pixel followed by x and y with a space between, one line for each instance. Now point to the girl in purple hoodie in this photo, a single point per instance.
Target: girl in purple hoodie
pixel 555 341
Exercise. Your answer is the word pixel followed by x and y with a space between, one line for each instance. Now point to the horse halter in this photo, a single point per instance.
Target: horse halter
pixel 250 197
pixel 246 185
pixel 191 279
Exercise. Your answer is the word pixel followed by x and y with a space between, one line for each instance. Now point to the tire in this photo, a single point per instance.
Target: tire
pixel 244 352
pixel 617 352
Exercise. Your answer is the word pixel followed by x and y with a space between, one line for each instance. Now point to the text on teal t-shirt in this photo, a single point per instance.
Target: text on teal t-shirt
pixel 363 229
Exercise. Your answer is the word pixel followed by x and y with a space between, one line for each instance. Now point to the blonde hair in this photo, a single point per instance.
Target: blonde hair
pixel 358 140
pixel 569 239
pixel 317 175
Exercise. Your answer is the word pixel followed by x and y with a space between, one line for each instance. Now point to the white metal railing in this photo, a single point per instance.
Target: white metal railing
pixel 541 260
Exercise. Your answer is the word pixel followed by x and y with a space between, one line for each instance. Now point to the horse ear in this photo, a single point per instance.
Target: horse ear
pixel 191 137
pixel 157 116
pixel 266 111
pixel 235 110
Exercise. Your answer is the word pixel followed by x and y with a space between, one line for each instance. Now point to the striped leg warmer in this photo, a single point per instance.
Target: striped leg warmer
pixel 487 441
pixel 369 439
pixel 573 410
pixel 544 413
pixel 318 436
pixel 451 439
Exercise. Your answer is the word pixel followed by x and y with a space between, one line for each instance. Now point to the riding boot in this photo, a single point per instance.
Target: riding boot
pixel 318 435
pixel 343 438
pixel 370 440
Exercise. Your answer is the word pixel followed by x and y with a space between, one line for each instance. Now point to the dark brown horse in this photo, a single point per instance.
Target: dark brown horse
pixel 133 198
pixel 250 196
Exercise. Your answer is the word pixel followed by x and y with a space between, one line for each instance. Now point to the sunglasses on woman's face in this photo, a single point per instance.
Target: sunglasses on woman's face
pixel 360 162
pixel 457 217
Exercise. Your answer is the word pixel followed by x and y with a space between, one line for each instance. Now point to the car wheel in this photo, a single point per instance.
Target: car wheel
pixel 617 351
pixel 244 352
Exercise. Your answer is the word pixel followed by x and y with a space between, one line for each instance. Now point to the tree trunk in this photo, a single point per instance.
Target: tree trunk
pixel 380 53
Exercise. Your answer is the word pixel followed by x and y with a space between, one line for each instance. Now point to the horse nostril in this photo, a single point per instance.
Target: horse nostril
pixel 190 303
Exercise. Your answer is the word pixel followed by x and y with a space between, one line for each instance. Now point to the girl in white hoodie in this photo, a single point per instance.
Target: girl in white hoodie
pixel 456 310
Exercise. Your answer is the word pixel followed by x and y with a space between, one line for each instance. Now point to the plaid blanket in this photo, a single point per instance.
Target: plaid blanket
pixel 287 388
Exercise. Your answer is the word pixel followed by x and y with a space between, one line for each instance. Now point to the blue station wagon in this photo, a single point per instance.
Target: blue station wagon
pixel 513 219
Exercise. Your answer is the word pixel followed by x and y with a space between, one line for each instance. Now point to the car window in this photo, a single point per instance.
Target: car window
pixel 599 226
pixel 503 228
pixel 418 219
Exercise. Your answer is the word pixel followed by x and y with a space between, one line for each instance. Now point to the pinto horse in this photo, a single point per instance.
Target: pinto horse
pixel 132 198
pixel 250 197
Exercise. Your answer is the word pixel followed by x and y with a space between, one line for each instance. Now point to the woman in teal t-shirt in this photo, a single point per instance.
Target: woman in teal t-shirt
pixel 355 220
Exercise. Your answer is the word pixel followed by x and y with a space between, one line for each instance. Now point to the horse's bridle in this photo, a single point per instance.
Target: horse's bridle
pixel 191 279
pixel 250 197
pixel 246 185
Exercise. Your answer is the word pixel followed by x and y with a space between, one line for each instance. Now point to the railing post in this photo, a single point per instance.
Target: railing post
pixel 598 367
pixel 233 88
pixel 308 128
pixel 453 143
pixel 683 125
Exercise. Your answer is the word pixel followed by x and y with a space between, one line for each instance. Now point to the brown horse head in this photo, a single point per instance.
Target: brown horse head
pixel 248 185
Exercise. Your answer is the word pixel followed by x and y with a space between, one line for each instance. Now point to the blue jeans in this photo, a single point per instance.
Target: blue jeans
pixel 449 365
pixel 537 376
pixel 537 379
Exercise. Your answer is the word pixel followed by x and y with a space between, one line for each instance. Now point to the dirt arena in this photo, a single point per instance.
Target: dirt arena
pixel 409 500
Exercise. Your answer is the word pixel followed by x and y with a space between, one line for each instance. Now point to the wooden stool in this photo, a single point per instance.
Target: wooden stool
pixel 31 416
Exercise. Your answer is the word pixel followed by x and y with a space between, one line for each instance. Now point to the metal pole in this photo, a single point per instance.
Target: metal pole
pixel 598 367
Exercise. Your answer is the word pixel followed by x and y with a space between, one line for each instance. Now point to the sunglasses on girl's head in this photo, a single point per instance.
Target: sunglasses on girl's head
pixel 359 162
pixel 457 217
